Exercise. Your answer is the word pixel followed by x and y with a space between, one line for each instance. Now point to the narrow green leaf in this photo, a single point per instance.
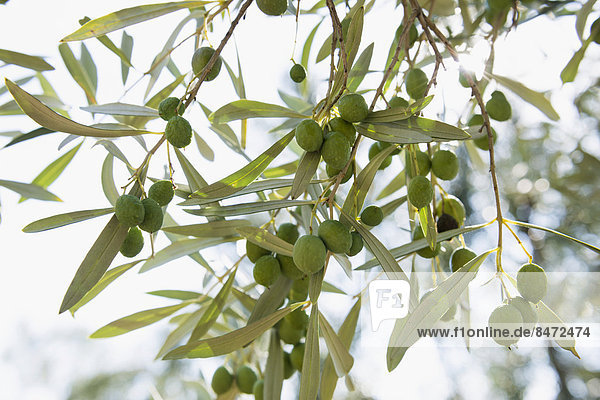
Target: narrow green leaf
pixel 169 221
pixel 248 208
pixel 124 54
pixel 204 148
pixel 411 247
pixel 230 341
pixel 126 17
pixel 60 220
pixel 383 255
pixel 395 184
pixel 411 130
pixel 121 53
pixel 266 240
pixel 225 133
pixel 122 109
pixel 108 180
pixel 12 107
pixel 246 109
pixel 360 188
pixel 77 71
pixel 243 177
pixel 428 226
pixel 351 45
pixel 310 374
pixel 431 309
pixel 582 16
pixel 182 330
pixel 238 82
pixel 331 288
pixel 271 299
pixel 346 332
pixel 163 58
pixel 536 99
pixel 281 170
pixel 53 171
pixel 176 294
pixel 181 248
pixel 569 73
pixel 113 149
pixel 20 82
pixel 209 229
pixel 308 44
pixel 299 104
pixel 360 68
pixel 581 242
pixel 95 263
pixel 214 310
pixel 29 190
pixel 195 180
pixel 23 60
pixel 136 321
pixel 254 187
pixel 109 277
pixel 547 316
pixel 309 163
pixel 274 369
pixel 29 135
pixel 398 113
pixel 47 118
pixel 342 360
pixel 315 284
pixel 89 66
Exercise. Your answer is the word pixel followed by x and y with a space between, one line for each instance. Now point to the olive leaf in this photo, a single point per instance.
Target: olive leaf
pixel 309 163
pixel 231 341
pixel 126 17
pixel 345 334
pixel 274 369
pixel 360 188
pixel 209 229
pixel 180 249
pixel 532 226
pixel 57 221
pixel 408 248
pixel 109 277
pixel 24 60
pixel 47 118
pixel 536 99
pixel 266 240
pixel 214 309
pixel 342 360
pixel 431 309
pixel 271 299
pixel 246 109
pixel 137 321
pixel 310 374
pixel 78 72
pixel 247 208
pixel 122 109
pixel 243 177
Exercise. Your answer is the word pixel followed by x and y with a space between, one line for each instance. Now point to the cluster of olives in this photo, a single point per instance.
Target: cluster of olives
pixel 245 379
pixel 268 267
pixel 532 284
pixel 336 140
pixel 310 251
pixel 178 130
pixel 146 214
pixel 444 165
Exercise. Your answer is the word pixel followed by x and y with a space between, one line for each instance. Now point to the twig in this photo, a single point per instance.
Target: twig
pixel 403 38
pixel 486 121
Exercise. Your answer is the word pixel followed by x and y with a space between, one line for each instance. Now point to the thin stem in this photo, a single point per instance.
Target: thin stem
pixel 477 94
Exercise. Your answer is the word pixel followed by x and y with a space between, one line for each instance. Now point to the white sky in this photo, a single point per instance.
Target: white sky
pixel 37 268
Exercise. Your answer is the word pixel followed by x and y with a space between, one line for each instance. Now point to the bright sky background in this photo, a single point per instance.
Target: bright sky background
pixel 37 268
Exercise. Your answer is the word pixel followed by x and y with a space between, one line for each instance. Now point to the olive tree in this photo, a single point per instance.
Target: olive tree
pixel 318 206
